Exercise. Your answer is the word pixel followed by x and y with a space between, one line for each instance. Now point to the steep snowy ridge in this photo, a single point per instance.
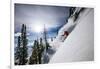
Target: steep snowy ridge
pixel 79 45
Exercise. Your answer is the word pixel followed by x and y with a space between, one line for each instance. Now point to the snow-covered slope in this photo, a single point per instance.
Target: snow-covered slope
pixel 59 39
pixel 79 45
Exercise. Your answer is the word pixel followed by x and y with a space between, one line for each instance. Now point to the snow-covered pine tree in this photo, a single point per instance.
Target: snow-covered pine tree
pixel 41 45
pixel 41 49
pixel 71 11
pixel 23 47
pixel 45 39
pixel 37 51
pixel 17 53
pixel 46 47
pixel 34 57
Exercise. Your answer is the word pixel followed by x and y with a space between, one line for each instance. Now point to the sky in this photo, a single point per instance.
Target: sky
pixel 36 17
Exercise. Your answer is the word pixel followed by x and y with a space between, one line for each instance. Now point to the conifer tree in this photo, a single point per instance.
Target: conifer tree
pixel 23 47
pixel 45 38
pixel 17 53
pixel 33 58
pixel 41 45
pixel 25 54
pixel 37 51
pixel 41 49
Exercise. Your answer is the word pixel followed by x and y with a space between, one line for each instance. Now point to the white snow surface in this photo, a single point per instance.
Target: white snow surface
pixel 79 45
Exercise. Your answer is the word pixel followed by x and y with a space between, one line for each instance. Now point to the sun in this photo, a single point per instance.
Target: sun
pixel 37 27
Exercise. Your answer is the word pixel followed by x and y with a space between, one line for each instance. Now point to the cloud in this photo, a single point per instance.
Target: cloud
pixel 30 44
pixel 17 34
pixel 28 34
